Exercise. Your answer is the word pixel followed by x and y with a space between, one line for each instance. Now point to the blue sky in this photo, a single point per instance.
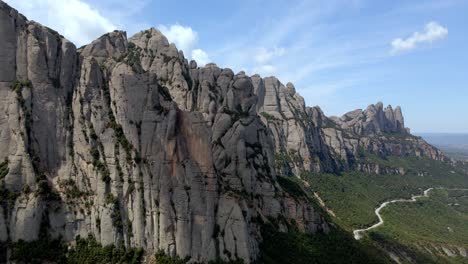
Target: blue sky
pixel 341 55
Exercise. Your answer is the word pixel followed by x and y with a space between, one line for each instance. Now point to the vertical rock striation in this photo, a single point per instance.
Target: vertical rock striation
pixel 126 140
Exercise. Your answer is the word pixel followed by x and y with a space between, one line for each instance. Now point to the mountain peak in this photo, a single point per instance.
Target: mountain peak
pixel 125 140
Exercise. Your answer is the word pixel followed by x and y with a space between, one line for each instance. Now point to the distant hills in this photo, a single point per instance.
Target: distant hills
pixel 454 145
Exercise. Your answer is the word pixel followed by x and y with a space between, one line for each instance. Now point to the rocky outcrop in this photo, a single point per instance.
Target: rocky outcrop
pixel 306 140
pixel 298 141
pixel 126 140
pixel 373 131
pixel 373 120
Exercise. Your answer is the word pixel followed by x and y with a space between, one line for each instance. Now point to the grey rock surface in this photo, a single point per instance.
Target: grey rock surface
pixel 126 140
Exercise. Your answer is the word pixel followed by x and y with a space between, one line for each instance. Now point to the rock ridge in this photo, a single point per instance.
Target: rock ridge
pixel 127 140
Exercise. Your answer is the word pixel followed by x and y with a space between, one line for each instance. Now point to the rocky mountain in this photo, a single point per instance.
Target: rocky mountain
pixel 306 140
pixel 126 140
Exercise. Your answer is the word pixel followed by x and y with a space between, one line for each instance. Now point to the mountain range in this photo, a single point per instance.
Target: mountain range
pixel 127 142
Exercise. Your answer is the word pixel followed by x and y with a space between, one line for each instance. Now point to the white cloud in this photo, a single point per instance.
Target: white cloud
pixel 263 59
pixel 75 19
pixel 433 31
pixel 264 55
pixel 82 21
pixel 185 39
pixel 266 69
pixel 200 57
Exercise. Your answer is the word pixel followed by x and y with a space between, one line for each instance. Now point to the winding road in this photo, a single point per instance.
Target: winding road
pixel 358 233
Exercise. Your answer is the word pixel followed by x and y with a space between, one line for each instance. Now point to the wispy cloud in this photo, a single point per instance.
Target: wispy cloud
pixel 265 69
pixel 264 55
pixel 326 91
pixel 299 42
pixel 433 31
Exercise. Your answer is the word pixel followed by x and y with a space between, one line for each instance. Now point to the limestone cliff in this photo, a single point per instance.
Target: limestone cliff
pixel 126 140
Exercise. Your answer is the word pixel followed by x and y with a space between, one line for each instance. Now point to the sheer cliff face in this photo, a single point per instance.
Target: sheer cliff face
pixel 127 141
pixel 124 140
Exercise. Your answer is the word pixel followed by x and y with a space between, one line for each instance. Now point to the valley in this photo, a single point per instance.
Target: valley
pixel 359 232
pixel 429 229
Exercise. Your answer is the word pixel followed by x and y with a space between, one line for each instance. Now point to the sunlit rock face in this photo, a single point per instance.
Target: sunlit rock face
pixel 126 140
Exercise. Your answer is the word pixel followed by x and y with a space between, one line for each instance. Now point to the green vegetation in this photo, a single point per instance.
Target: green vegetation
pixel 115 215
pixel 291 186
pixel 282 159
pixel 165 259
pixel 164 92
pixel 353 196
pixel 295 156
pixel 4 169
pixel 441 219
pixel 44 189
pixel 458 200
pixel 48 250
pixel 331 124
pixel 100 166
pixel 411 253
pixel 285 158
pixel 103 67
pixel 19 85
pixel 118 130
pixel 90 251
pixel 39 251
pixel 162 258
pixel 7 197
pixel 111 199
pixel 133 57
pixel 120 135
pixel 295 247
pixel 70 189
pixel 267 116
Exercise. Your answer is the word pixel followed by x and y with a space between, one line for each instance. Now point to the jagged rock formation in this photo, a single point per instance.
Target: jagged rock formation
pixel 307 140
pixel 373 120
pixel 374 130
pixel 126 140
pixel 298 140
